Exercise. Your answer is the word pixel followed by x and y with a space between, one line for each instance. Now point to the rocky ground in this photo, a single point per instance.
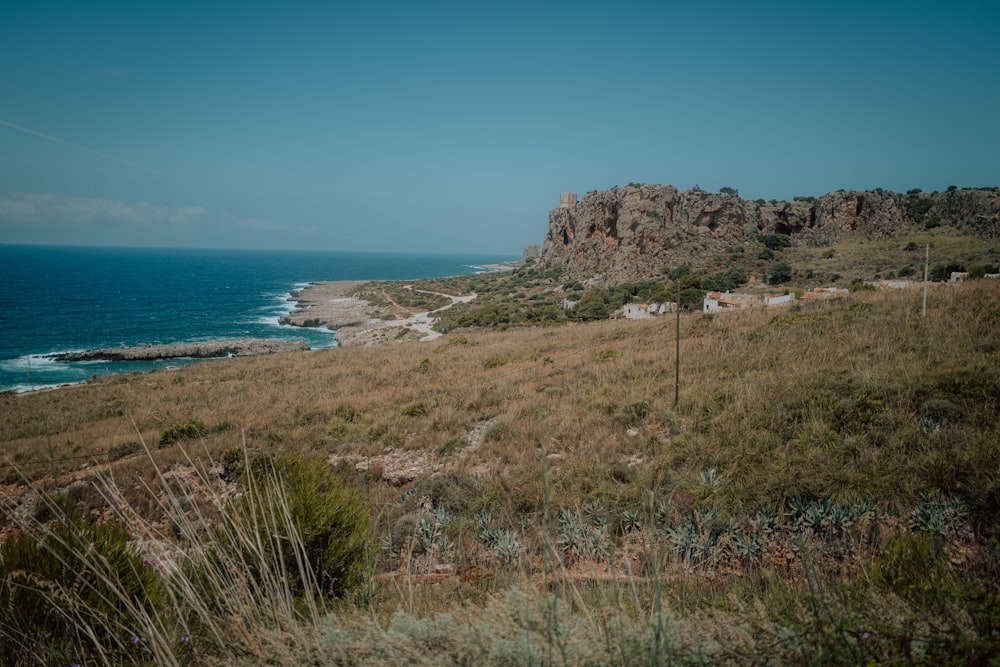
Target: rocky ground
pixel 210 349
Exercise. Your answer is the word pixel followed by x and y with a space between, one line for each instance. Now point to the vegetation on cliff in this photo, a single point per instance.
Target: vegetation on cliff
pixel 628 233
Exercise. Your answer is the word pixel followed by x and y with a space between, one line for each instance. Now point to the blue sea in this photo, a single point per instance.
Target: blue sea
pixel 59 299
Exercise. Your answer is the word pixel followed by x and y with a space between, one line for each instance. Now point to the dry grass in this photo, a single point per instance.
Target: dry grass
pixel 842 402
pixel 758 390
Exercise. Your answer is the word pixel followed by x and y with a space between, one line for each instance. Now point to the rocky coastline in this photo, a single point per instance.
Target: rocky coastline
pixel 331 305
pixel 211 349
pixel 357 321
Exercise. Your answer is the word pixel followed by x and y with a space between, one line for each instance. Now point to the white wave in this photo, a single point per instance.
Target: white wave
pixel 33 363
pixel 22 388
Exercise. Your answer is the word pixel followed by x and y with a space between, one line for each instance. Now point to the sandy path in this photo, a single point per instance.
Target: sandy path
pixel 423 322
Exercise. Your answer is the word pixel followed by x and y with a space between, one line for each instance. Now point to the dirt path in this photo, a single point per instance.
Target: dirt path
pixel 423 322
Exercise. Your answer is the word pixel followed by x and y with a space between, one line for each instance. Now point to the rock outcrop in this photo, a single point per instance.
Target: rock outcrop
pixel 635 231
pixel 245 347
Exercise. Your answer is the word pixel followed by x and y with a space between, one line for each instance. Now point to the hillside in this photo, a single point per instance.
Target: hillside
pixel 632 232
pixel 827 485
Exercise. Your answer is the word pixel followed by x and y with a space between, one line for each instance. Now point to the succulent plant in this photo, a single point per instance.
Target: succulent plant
pixel 507 547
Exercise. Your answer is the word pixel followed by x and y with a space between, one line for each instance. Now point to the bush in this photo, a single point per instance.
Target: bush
pixel 121 451
pixel 418 409
pixel 592 306
pixel 311 527
pixel 780 272
pixel 67 593
pixel 775 241
pixel 188 431
pixel 914 566
pixel 942 272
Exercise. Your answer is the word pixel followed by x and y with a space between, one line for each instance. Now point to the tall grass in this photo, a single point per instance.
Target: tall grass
pixel 243 582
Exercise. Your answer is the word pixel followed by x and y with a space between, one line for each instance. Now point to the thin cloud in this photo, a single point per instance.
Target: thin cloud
pixel 82 210
pixel 85 149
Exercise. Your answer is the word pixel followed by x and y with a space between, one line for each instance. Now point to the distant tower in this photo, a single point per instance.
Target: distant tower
pixel 567 199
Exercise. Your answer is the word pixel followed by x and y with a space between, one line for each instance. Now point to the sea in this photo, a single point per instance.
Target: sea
pixel 59 299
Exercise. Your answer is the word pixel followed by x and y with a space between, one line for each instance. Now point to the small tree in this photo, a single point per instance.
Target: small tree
pixel 732 192
pixel 775 241
pixel 780 272
pixel 592 306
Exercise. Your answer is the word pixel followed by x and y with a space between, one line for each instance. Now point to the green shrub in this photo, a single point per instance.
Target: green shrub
pixel 494 362
pixel 775 241
pixel 592 306
pixel 418 409
pixel 914 567
pixel 917 207
pixel 187 431
pixel 303 522
pixel 347 413
pixel 779 272
pixel 455 444
pixel 67 594
pixel 606 355
pixel 121 451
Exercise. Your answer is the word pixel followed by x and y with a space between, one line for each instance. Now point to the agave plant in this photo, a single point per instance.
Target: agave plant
pixel 483 519
pixel 631 521
pixel 837 519
pixel 939 516
pixel 569 534
pixel 764 522
pixel 748 546
pixel 594 513
pixel 507 547
pixel 710 479
pixel 662 513
pixel 798 505
pixel 442 516
pixel 596 545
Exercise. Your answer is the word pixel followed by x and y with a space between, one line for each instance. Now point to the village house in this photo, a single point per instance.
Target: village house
pixel 889 284
pixel 716 301
pixel 821 293
pixel 643 311
pixel 776 301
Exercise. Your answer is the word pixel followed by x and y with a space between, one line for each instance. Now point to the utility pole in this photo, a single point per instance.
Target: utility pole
pixel 677 350
pixel 927 260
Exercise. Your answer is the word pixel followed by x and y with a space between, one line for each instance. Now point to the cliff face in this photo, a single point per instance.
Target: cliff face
pixel 631 232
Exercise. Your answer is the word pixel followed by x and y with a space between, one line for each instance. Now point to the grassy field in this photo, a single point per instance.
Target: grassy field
pixel 826 489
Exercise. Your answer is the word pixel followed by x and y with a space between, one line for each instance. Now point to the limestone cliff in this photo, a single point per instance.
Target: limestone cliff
pixel 630 232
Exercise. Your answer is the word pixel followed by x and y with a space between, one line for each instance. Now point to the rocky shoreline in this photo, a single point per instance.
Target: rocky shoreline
pixel 211 349
pixel 355 320
pixel 330 305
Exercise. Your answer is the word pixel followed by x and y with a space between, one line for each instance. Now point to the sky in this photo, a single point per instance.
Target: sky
pixel 453 127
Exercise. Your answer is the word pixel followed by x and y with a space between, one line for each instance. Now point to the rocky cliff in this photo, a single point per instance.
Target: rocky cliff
pixel 631 232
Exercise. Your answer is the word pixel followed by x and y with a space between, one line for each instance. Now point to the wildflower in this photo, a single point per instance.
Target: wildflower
pixel 135 639
pixel 185 639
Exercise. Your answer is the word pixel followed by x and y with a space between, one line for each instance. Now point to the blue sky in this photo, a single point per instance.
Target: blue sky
pixel 453 127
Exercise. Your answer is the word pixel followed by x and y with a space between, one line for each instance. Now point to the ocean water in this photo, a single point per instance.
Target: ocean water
pixel 59 299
